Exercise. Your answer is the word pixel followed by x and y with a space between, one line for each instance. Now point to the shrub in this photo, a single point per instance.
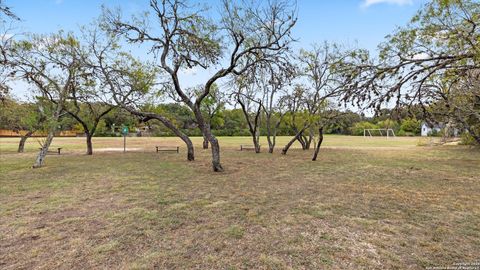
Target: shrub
pixel 404 133
pixel 388 124
pixel 357 129
pixel 436 133
pixel 410 125
pixel 401 132
pixel 467 139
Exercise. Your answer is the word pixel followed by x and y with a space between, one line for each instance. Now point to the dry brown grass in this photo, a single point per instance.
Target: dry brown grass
pixel 362 205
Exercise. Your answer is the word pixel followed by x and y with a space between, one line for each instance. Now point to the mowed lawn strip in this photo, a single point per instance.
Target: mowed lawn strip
pixel 365 203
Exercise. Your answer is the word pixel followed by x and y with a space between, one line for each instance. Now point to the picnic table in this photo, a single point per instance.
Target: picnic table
pixel 247 147
pixel 167 148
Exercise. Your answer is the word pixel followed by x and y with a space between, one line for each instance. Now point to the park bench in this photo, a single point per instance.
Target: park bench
pixel 247 147
pixel 167 148
pixel 59 149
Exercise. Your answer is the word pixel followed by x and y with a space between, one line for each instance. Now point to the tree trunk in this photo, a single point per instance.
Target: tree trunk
pixel 271 143
pixel 272 137
pixel 148 115
pixel 207 133
pixel 23 139
pixel 205 140
pixel 190 149
pixel 301 140
pixel 256 143
pixel 475 136
pixel 319 143
pixel 51 133
pixel 44 150
pixel 205 143
pixel 299 134
pixel 89 143
pixel 253 128
pixel 216 165
pixel 309 140
pixel 181 135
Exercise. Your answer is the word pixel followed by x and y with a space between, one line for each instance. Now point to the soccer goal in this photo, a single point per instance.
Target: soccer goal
pixel 379 132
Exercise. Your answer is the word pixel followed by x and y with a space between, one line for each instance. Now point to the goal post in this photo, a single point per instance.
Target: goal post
pixel 379 132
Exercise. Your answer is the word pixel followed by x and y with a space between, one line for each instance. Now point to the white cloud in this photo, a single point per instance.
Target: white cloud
pixel 368 3
pixel 421 56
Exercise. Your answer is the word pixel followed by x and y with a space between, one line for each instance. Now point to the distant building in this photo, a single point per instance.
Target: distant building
pixel 429 129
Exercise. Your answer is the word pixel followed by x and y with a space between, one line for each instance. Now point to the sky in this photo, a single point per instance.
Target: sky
pixel 359 23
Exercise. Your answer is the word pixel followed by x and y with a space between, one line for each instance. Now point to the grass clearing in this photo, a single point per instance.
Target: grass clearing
pixel 365 203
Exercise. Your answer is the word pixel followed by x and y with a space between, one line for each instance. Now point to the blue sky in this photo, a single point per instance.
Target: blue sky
pixel 344 21
pixel 364 23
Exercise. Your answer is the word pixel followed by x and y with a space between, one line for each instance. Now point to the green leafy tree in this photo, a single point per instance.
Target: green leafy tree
pixel 24 118
pixel 242 36
pixel 129 82
pixel 411 125
pixel 234 123
pixel 359 128
pixel 388 124
pixel 434 60
pixel 52 64
pixel 343 123
pixel 314 100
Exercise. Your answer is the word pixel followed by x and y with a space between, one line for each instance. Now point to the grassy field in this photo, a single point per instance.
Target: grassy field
pixel 364 204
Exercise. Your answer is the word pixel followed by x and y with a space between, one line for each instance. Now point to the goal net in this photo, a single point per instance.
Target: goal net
pixel 379 132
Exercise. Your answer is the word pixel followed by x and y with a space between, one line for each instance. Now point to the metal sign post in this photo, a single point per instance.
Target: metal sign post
pixel 125 132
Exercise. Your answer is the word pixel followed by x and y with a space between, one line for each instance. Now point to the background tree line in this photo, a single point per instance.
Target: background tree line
pixel 25 116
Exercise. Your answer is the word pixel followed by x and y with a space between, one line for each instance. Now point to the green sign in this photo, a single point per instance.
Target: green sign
pixel 125 130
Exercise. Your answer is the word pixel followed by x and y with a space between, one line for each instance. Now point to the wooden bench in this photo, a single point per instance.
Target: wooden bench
pixel 59 149
pixel 247 147
pixel 167 148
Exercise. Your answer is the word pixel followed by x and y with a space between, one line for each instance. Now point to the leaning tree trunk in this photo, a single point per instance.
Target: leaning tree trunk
pixel 53 127
pixel 89 143
pixel 301 140
pixel 23 139
pixel 319 143
pixel 289 144
pixel 184 137
pixel 44 150
pixel 180 134
pixel 188 143
pixel 207 133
